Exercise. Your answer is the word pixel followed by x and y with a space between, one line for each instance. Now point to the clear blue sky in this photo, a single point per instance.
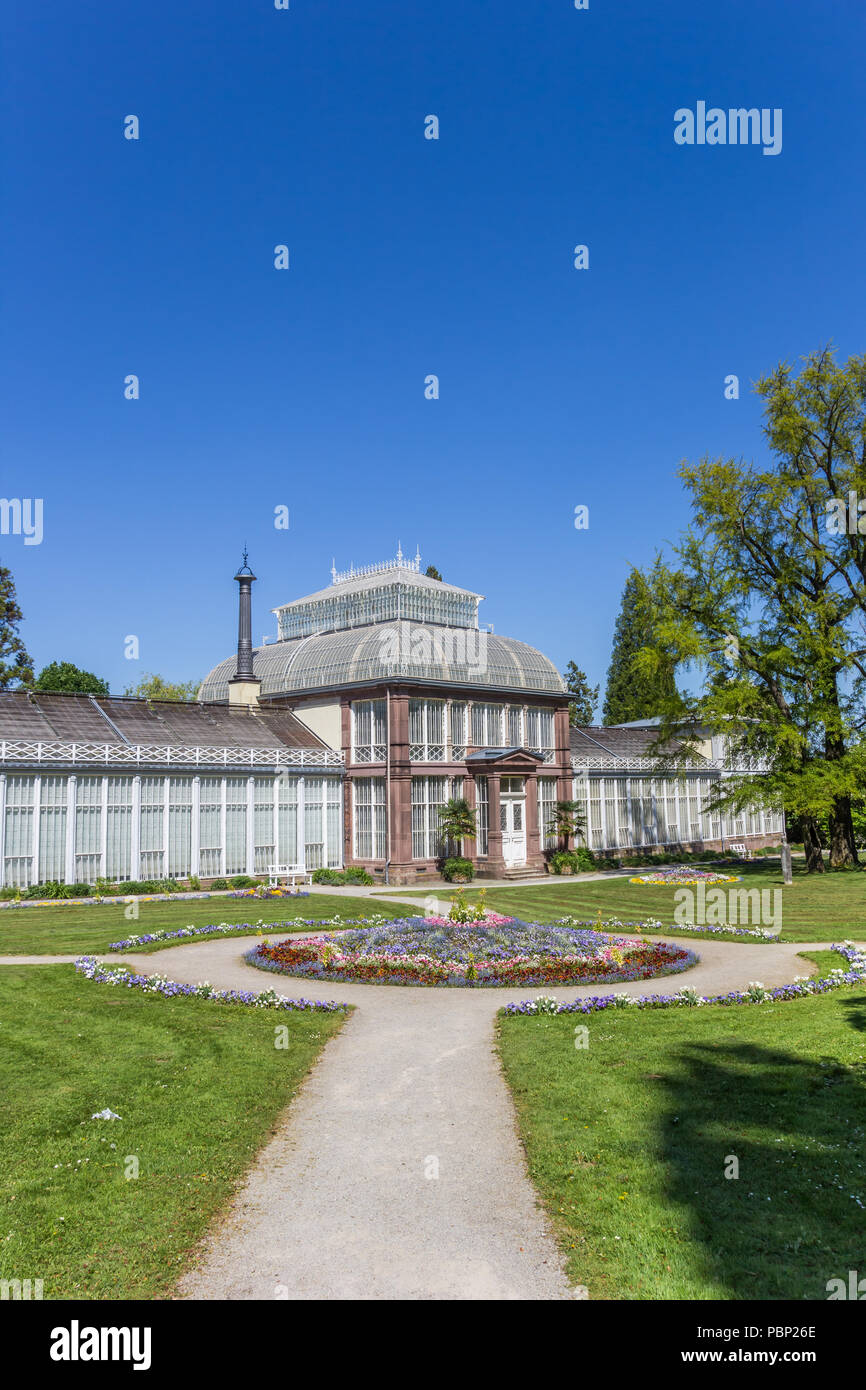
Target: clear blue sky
pixel 305 388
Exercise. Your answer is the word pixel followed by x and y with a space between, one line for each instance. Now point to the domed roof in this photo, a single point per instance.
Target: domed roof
pixel 393 651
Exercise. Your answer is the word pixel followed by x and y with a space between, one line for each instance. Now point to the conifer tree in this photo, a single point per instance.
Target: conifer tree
pixel 16 668
pixel 584 697
pixel 632 693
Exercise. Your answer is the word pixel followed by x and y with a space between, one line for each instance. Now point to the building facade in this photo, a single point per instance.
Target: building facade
pixel 337 743
pixel 127 789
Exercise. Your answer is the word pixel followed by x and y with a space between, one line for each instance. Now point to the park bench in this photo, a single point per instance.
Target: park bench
pixel 742 850
pixel 292 873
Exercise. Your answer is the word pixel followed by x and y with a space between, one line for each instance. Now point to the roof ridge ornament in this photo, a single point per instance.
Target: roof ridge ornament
pixel 399 562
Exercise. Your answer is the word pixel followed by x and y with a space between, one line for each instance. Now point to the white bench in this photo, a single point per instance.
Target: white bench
pixel 742 850
pixel 290 872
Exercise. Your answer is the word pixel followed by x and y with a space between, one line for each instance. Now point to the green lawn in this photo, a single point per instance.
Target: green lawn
pixel 628 1141
pixel 199 1087
pixel 826 907
pixel 63 929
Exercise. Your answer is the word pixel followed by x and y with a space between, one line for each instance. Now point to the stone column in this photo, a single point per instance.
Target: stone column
pixel 495 862
pixel 400 810
pixel 534 855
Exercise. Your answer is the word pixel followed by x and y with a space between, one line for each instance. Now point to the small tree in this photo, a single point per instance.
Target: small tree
pixel 67 678
pixel 152 687
pixel 567 820
pixel 456 822
pixel 18 671
pixel 432 573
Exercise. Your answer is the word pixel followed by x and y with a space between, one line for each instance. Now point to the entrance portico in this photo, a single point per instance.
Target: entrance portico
pixel 514 838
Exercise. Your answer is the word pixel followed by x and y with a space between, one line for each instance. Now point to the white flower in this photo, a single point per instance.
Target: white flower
pixel 757 992
pixel 545 1004
pixel 689 996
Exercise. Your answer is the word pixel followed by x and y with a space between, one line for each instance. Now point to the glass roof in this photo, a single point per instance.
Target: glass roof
pixel 394 651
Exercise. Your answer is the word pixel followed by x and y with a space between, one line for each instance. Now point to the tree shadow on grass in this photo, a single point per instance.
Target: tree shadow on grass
pixel 856 1010
pixel 793 1128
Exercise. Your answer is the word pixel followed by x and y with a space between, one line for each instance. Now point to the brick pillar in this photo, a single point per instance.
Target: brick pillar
pixel 562 769
pixel 400 810
pixel 346 744
pixel 534 854
pixel 495 865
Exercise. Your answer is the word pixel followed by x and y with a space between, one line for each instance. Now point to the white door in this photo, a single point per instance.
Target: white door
pixel 512 819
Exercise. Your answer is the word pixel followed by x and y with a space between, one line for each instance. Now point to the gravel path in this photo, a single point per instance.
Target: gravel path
pixel 338 1204
pixel 397 1172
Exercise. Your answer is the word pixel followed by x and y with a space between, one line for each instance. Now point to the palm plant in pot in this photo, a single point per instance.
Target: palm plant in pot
pixel 567 820
pixel 456 823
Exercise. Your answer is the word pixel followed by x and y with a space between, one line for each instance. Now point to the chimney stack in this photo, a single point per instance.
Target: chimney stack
pixel 244 687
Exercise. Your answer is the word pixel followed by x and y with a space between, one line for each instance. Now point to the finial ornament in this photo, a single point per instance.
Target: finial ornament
pixel 244 570
pixel 367 571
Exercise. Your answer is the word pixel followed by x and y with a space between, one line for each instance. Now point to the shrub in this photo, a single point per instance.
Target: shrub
pixel 194 883
pixel 42 890
pixel 458 871
pixel 564 861
pixel 357 875
pixel 577 861
pixel 244 881
pixel 220 883
pixel 53 888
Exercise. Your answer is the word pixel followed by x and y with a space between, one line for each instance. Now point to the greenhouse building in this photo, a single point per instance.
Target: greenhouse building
pixel 380 697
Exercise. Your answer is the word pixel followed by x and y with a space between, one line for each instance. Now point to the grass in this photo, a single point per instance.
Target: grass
pixel 199 1086
pixel 824 907
pixel 63 929
pixel 628 1141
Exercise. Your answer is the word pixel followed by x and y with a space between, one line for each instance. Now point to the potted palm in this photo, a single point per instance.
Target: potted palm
pixel 456 823
pixel 567 821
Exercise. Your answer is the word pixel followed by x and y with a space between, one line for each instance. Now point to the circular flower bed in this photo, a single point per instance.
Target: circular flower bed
pixel 433 951
pixel 682 874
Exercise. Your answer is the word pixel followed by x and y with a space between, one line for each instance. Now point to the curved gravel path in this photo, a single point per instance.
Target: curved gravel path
pixel 338 1204
pixel 344 1202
